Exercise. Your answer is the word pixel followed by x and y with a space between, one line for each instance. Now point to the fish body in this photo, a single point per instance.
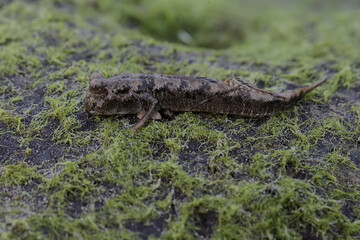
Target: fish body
pixel 147 94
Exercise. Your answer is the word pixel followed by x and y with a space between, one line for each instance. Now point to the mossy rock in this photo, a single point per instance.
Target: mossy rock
pixel 65 174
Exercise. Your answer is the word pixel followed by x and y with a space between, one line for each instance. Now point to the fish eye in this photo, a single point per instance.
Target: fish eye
pixel 97 86
pixel 96 75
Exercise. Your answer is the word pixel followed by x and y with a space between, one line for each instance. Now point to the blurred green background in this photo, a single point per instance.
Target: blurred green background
pixel 220 24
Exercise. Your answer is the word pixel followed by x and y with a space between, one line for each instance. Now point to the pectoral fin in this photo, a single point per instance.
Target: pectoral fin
pixel 150 108
pixel 154 116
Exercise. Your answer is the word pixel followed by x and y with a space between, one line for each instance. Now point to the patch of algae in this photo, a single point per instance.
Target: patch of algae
pixel 67 175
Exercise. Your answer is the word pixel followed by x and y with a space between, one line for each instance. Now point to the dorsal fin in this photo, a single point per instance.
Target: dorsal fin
pixel 237 83
pixel 301 92
pixel 217 95
pixel 240 81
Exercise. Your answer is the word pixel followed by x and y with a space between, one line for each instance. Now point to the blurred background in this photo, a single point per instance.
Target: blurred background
pixel 219 24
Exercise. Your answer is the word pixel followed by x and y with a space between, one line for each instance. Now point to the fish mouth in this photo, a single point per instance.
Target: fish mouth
pixel 89 108
pixel 90 104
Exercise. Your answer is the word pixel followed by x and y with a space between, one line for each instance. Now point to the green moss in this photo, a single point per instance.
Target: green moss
pixel 61 109
pixel 346 77
pixel 57 87
pixel 330 126
pixel 14 121
pixel 28 151
pixel 259 166
pixel 264 204
pixel 70 183
pixel 20 174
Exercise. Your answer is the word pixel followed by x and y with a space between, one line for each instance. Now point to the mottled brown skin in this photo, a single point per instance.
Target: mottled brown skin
pixel 146 94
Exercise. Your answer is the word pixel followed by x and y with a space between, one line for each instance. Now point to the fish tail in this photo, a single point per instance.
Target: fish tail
pixel 305 90
pixel 293 97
